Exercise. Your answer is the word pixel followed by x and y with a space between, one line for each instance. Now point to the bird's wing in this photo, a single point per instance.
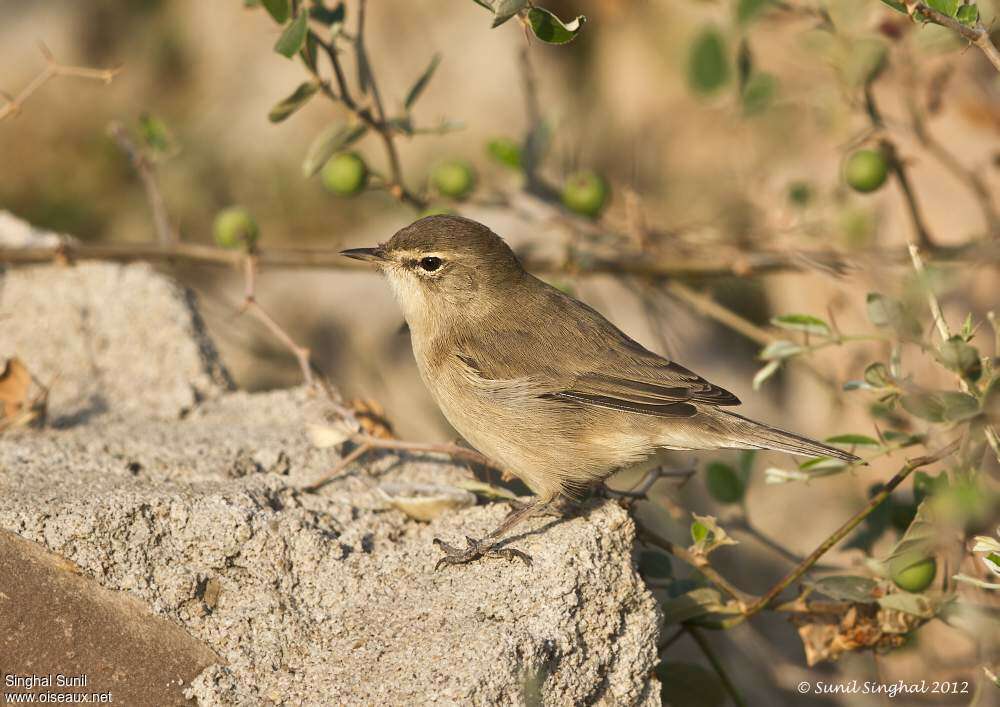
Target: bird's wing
pixel 579 356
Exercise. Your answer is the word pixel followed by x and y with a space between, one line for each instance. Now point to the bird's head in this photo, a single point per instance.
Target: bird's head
pixel 440 265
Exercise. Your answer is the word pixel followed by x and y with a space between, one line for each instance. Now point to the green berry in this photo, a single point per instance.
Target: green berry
pixel 454 178
pixel 235 227
pixel 914 577
pixel 585 193
pixel 505 151
pixel 345 174
pixel 866 170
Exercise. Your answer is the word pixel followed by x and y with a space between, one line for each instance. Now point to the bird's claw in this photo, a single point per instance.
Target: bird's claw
pixel 476 549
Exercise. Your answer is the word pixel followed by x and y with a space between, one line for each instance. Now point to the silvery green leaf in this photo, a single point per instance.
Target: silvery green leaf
pixel 780 349
pixel 774 475
pixel 505 9
pixel 421 83
pixel 855 440
pixel 335 138
pixel 975 581
pixel 697 602
pixel 298 98
pixel 277 9
pixel 844 587
pixel 294 36
pixel 764 373
pixel 802 322
pixel 550 29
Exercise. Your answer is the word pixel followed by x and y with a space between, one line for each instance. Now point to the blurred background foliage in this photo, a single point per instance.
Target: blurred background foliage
pixel 704 130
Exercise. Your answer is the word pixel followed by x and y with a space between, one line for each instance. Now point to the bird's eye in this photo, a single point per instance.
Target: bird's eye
pixel 430 263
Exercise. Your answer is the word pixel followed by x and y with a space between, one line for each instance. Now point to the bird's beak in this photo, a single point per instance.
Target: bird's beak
pixel 371 255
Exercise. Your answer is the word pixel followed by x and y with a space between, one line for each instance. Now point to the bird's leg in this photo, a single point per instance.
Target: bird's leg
pixel 487 547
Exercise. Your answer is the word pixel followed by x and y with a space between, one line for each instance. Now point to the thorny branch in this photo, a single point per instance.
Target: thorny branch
pixel 762 262
pixel 977 34
pixel 750 605
pixel 13 104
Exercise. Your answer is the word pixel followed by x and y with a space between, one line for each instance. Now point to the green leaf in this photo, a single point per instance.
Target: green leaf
pixel 947 7
pixel 877 375
pixel 155 133
pixel 421 83
pixel 335 138
pixel 958 356
pixel 941 406
pixel 820 463
pixel 724 483
pixel 845 587
pixel 699 532
pixel 298 98
pixel 505 9
pixel 361 62
pixel 802 322
pixel 326 15
pixel 764 373
pixel 759 92
pixel 856 440
pixel 689 685
pixel 505 151
pixel 925 485
pixel 780 350
pixel 968 15
pixel 655 565
pixel 708 63
pixel 697 602
pixel 896 5
pixel 747 10
pixel 277 9
pixel 550 29
pixel 294 36
pixel 885 312
pixel 917 543
pixel 708 535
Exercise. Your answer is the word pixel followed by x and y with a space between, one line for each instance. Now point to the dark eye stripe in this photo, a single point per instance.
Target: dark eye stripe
pixel 430 263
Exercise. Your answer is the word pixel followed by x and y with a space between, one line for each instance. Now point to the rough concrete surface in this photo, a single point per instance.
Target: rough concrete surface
pixel 187 497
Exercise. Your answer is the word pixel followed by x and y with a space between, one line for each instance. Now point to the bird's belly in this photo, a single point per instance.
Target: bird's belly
pixel 550 447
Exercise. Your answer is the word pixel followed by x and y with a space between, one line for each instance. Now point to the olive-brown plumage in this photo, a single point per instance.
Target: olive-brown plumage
pixel 538 381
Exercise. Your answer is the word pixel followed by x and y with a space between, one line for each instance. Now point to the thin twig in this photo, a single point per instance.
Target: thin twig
pixel 699 563
pixel 970 177
pixel 338 469
pixel 897 167
pixel 847 527
pixel 727 317
pixel 165 234
pixel 943 330
pixel 720 670
pixel 12 106
pixel 251 305
pixel 977 34
pixel 756 263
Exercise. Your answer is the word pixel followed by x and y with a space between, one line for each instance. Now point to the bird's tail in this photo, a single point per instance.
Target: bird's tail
pixel 744 433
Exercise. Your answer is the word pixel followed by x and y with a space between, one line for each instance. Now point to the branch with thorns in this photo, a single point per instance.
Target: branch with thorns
pixel 13 104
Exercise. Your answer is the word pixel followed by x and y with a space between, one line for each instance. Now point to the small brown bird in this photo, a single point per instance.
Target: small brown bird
pixel 541 383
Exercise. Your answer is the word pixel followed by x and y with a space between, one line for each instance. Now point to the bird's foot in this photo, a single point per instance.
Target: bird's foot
pixel 476 549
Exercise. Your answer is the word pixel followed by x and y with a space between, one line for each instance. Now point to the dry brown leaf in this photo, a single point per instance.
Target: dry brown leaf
pixel 825 637
pixel 18 406
pixel 371 417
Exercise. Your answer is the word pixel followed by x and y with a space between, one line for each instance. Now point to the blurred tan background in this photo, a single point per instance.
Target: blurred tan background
pixel 618 100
